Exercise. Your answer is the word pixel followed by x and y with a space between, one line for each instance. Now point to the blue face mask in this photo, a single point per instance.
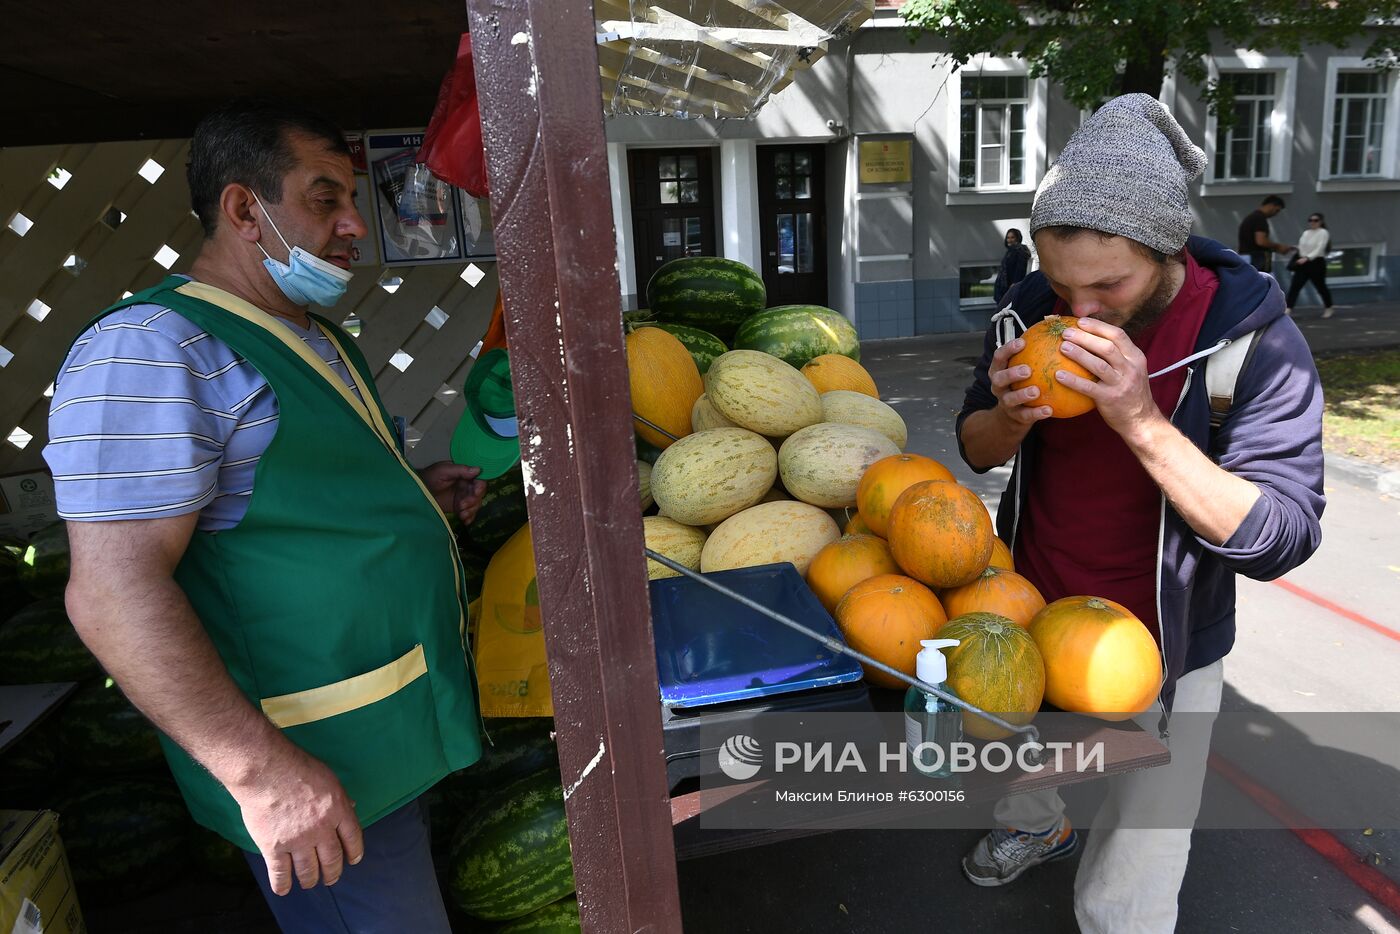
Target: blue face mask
pixel 309 280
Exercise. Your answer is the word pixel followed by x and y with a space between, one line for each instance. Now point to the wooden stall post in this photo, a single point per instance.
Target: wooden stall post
pixel 537 78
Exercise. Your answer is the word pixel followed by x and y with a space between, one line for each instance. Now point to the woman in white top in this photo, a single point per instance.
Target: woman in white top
pixel 1310 265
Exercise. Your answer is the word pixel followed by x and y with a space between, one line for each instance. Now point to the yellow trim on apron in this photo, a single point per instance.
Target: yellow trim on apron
pixel 255 315
pixel 368 412
pixel 344 696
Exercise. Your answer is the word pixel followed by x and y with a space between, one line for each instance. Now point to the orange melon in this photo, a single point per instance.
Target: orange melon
pixel 995 590
pixel 836 371
pixel 1099 658
pixel 886 617
pixel 885 479
pixel 1042 354
pixel 664 382
pixel 846 562
pixel 940 533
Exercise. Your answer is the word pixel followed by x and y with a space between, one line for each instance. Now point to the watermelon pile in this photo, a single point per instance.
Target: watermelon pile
pixel 95 760
pixel 796 334
pixel 511 855
pixel 706 292
pixel 500 841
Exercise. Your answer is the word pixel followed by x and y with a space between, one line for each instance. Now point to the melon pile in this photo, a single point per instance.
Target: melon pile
pixel 775 447
pixel 762 444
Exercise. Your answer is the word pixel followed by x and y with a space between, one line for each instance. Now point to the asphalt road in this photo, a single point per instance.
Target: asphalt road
pixel 1291 654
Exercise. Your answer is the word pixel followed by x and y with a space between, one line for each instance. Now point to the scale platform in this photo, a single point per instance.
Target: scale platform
pixel 718 660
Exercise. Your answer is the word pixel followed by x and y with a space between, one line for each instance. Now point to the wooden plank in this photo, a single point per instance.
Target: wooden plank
pixel 726 13
pixel 733 97
pixel 699 102
pixel 547 158
pixel 827 14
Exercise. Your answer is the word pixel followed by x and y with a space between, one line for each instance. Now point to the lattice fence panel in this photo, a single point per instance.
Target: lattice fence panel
pixel 121 219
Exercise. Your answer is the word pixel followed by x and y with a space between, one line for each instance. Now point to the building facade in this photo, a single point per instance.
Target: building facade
pixel 882 182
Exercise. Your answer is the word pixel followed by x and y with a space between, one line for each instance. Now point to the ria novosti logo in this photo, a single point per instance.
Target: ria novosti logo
pixel 740 757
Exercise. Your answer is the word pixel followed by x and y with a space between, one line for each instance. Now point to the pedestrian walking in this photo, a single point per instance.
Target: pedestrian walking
pixel 1255 243
pixel 1015 263
pixel 1310 264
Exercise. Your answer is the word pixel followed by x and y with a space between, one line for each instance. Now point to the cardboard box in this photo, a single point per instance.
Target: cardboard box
pixel 36 887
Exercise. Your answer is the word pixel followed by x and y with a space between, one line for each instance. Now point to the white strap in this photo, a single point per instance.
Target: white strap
pixel 1006 329
pixel 1223 373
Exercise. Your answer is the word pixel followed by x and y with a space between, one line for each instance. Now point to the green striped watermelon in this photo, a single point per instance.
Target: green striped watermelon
pixel 501 515
pixel 511 855
pixel 707 292
pixel 124 838
pixel 559 917
pixel 797 333
pixel 704 347
pixel 100 731
pixel 43 568
pixel 517 748
pixel 39 644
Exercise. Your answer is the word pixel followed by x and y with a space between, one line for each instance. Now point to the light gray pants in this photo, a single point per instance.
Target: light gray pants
pixel 1129 878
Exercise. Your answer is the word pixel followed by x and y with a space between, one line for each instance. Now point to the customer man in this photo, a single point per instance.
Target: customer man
pixel 254 561
pixel 1140 500
pixel 1255 243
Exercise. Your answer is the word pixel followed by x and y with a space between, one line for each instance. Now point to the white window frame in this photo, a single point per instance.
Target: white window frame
pixel 1036 114
pixel 1371 277
pixel 1285 70
pixel 1390 169
pixel 989 301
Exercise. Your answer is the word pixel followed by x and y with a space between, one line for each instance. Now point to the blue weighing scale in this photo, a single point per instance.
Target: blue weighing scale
pixel 718 659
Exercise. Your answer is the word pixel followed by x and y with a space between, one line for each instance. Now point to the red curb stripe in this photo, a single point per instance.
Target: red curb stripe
pixel 1339 610
pixel 1375 883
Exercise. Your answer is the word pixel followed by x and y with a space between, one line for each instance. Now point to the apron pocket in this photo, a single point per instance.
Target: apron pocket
pixel 330 700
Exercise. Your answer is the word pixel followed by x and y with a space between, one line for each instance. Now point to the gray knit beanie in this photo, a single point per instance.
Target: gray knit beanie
pixel 1124 172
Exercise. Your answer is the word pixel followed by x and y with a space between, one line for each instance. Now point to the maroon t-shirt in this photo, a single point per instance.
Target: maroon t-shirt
pixel 1090 522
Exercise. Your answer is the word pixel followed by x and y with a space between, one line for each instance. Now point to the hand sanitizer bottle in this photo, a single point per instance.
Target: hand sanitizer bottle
pixel 929 718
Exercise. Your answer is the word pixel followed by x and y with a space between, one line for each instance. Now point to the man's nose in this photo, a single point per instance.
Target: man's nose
pixel 354 227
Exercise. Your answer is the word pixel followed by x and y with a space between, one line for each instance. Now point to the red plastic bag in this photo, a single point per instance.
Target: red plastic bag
pixel 452 146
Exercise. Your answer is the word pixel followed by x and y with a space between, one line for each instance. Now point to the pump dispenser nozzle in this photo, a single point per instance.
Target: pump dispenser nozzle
pixel 931 666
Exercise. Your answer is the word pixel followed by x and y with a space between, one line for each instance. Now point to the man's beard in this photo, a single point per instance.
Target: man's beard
pixel 1154 307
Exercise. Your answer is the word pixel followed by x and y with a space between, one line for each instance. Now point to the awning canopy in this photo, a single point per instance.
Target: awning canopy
pixel 87 71
pixel 713 58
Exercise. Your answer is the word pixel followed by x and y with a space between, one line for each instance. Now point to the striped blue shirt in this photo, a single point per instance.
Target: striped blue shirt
pixel 152 417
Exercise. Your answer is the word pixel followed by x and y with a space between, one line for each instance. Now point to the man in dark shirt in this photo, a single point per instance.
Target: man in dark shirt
pixel 1255 244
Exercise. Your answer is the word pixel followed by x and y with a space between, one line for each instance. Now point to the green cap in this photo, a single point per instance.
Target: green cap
pixel 488 436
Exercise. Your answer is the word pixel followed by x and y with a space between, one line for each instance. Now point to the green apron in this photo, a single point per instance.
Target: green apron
pixel 337 602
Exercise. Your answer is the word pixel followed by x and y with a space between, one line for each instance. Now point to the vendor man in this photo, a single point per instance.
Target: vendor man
pixel 1141 500
pixel 254 561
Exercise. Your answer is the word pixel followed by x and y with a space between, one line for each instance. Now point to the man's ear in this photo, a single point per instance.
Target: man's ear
pixel 236 205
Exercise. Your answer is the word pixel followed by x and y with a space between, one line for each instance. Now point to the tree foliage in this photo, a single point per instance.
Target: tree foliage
pixel 1096 49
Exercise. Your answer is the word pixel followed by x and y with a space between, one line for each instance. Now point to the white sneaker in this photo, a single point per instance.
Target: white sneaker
pixel 1002 855
pixel 1328 311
